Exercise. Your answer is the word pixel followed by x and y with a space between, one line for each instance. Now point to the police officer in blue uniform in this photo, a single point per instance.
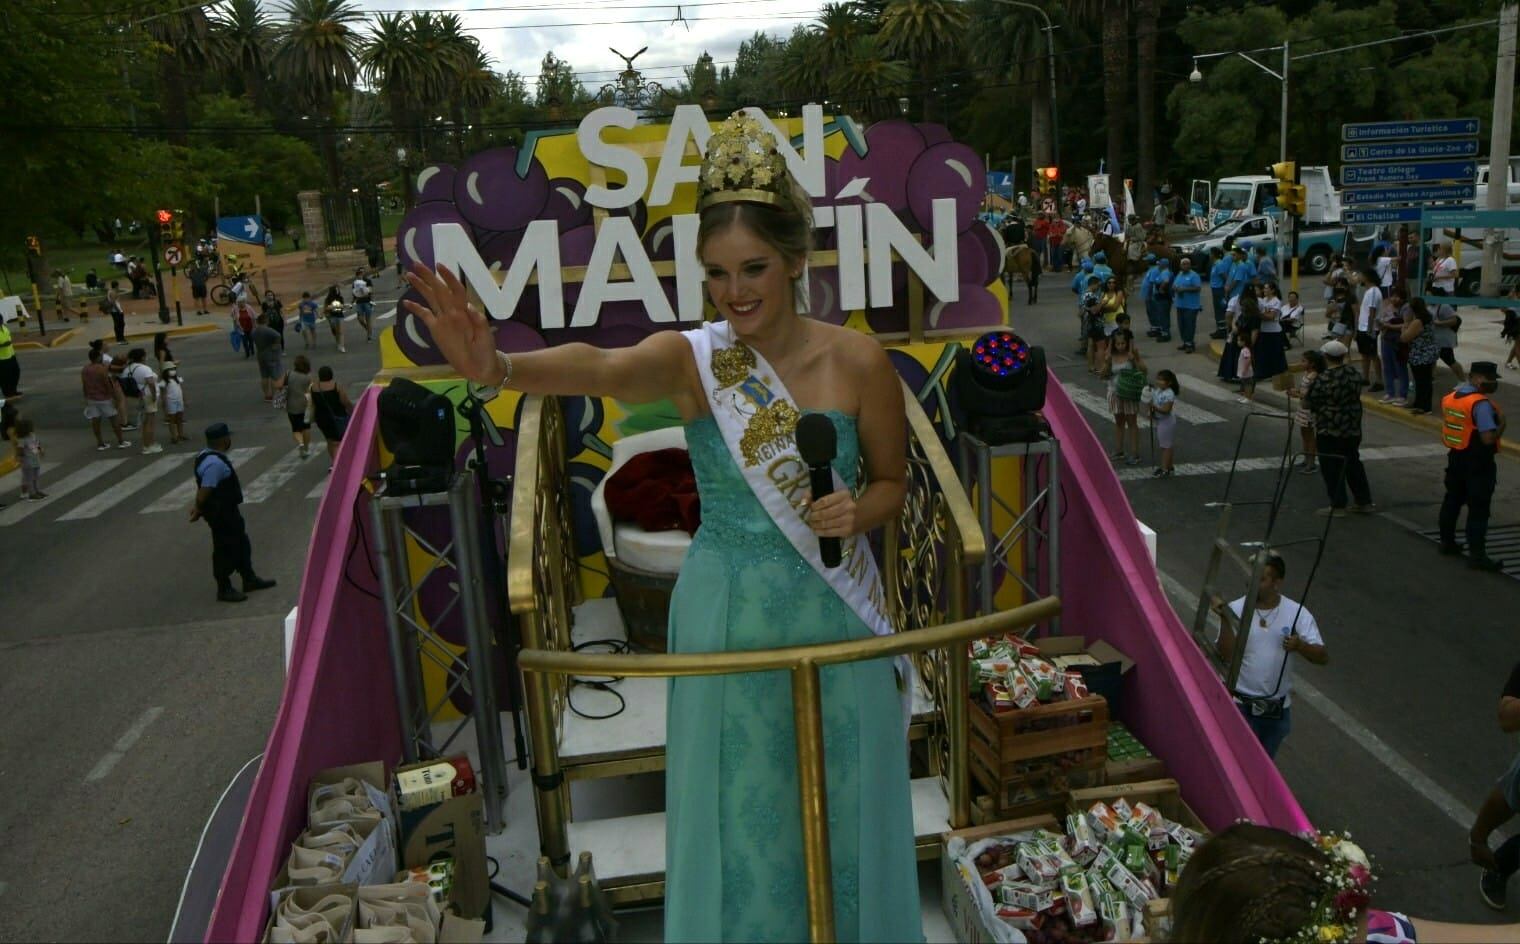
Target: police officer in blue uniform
pixel 217 497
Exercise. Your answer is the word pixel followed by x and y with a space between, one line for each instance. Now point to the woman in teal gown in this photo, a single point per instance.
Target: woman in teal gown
pixel 734 865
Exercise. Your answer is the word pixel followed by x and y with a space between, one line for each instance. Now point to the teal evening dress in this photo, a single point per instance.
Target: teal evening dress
pixel 734 866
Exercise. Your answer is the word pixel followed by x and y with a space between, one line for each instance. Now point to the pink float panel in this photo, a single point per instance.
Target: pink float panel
pixel 337 707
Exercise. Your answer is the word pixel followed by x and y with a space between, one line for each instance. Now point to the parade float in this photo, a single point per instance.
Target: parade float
pixel 1053 672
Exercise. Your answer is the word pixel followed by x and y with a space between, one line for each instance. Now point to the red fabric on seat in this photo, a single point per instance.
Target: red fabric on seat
pixel 657 491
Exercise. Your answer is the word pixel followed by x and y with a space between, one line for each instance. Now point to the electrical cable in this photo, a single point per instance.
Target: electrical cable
pixel 501 889
pixel 618 646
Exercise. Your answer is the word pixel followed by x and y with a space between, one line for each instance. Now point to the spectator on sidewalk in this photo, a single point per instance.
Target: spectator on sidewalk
pixel 1271 351
pixel 1219 277
pixel 1392 352
pixel 1266 267
pixel 63 293
pixel 1419 334
pixel 1446 322
pixel 1471 427
pixel 1279 628
pixel 1313 366
pixel 1187 289
pixel 1242 273
pixel 29 453
pixel 198 273
pixel 244 319
pixel 1366 326
pixel 1335 400
pixel 274 314
pixel 100 399
pixel 364 305
pixel 1443 271
pixel 1500 806
pixel 112 307
pixel 1511 330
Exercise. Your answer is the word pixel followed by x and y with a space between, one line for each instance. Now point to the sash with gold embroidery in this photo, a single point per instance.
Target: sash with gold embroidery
pixel 758 418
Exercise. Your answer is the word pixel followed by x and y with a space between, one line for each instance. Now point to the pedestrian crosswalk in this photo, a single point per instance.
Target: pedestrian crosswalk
pixel 94 488
pixel 1096 403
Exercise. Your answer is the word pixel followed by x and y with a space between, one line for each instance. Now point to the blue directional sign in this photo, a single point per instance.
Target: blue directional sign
pixel 1413 172
pixel 1386 215
pixel 241 229
pixel 1385 196
pixel 1404 130
pixel 1409 150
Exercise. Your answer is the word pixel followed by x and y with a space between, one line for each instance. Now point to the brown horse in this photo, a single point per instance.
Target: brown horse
pixel 1019 260
pixel 1082 241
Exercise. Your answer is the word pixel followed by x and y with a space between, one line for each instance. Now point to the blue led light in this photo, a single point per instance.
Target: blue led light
pixel 1000 353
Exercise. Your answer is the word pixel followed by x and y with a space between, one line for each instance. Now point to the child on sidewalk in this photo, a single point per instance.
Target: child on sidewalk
pixel 174 403
pixel 1244 367
pixel 1164 421
pixel 29 452
pixel 1314 365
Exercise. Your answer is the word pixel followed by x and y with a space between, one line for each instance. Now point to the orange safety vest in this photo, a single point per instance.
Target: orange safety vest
pixel 1457 426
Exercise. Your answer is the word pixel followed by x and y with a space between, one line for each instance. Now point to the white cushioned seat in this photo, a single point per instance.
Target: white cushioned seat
pixel 660 552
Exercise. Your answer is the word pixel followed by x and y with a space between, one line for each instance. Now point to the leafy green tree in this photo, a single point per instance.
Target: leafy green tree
pixel 185 46
pixel 391 61
pixel 1008 43
pixel 871 81
pixel 556 82
pixel 316 57
pixel 927 33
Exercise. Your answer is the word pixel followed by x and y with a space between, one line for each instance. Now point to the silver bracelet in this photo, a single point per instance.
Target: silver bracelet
pixel 506 362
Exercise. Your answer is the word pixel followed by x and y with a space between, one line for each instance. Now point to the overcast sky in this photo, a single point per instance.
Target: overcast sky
pixel 517 33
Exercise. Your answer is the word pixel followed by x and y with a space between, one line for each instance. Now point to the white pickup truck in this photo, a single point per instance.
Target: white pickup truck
pixel 1316 244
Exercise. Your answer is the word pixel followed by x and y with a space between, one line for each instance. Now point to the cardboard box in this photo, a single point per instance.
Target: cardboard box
pixel 453 829
pixel 1164 795
pixel 308 895
pixel 957 894
pixel 377 858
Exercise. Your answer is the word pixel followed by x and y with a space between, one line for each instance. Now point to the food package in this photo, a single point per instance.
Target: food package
pixel 1046 680
pixel 1022 689
pixel 313 915
pixel 1022 918
pixel 1073 685
pixel 1026 895
pixel 1127 885
pixel 1105 822
pixel 1082 844
pixel 1122 809
pixel 993 670
pixel 425 785
pixel 437 876
pixel 1003 876
pixel 1038 867
pixel 1021 646
pixel 1182 836
pixel 978 648
pixel 998 696
pixel 407 906
pixel 1079 902
pixel 1173 869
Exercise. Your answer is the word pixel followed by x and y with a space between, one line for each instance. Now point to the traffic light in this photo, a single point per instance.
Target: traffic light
pixel 1048 177
pixel 177 226
pixel 1292 196
pixel 165 226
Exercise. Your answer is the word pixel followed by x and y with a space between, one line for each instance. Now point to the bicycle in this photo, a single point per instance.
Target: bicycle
pixel 221 292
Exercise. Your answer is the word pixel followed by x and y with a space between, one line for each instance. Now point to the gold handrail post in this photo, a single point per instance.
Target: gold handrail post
pixel 957 669
pixel 548 778
pixel 807 712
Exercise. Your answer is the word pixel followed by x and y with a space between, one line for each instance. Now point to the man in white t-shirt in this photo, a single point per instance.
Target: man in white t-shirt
pixel 1279 628
pixel 146 384
pixel 1443 272
pixel 1366 322
pixel 364 305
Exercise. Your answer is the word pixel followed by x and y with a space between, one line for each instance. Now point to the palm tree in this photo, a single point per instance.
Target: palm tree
pixel 871 80
pixel 475 84
pixel 315 58
pixel 926 33
pixel 246 36
pixel 1113 16
pixel 391 60
pixel 802 73
pixel 185 45
pixel 1009 42
pixel 1147 22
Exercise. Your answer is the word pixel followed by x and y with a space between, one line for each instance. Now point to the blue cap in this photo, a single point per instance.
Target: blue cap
pixel 1245 247
pixel 1150 257
pixel 1164 262
pixel 1086 265
pixel 1101 257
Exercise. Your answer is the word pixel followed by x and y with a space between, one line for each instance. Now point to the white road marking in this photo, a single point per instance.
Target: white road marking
pixel 1099 405
pixel 127 487
pixel 275 476
pixel 1185 601
pixel 1273 463
pixel 179 497
pixel 320 488
pixel 57 490
pixel 123 744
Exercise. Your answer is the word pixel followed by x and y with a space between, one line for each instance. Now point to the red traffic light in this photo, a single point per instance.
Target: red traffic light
pixel 1050 172
pixel 165 216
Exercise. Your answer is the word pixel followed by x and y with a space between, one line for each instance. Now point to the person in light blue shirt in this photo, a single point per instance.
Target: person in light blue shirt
pixel 1266 266
pixel 1187 291
pixel 1158 301
pixel 1101 269
pixel 1242 274
pixel 1079 281
pixel 1219 277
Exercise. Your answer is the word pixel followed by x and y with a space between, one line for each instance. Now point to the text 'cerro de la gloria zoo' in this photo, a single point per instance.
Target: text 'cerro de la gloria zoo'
pixel 868 233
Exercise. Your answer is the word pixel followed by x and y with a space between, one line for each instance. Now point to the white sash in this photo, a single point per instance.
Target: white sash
pixel 758 420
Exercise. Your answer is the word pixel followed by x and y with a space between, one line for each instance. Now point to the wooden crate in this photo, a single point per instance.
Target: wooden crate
pixel 1029 759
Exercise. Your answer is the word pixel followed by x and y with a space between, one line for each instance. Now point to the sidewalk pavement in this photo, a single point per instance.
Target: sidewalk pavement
pixel 1477 341
pixel 287 274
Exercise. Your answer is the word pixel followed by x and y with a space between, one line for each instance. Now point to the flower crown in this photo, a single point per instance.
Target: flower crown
pixel 1348 889
pixel 742 164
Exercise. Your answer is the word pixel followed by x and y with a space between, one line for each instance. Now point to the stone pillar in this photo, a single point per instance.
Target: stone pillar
pixel 314 225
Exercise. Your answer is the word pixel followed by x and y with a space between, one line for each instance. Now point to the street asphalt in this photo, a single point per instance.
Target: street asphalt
pixel 129 697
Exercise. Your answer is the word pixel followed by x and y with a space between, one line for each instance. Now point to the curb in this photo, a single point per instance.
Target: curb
pixel 51 342
pixel 176 330
pixel 8 464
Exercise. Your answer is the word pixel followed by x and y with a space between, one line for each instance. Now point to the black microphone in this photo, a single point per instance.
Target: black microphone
pixel 818 443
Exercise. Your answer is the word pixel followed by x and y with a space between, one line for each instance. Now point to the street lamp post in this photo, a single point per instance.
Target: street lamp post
pixel 1050 65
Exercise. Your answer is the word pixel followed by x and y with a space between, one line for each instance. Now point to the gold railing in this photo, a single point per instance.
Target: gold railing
pixel 807 710
pixel 926 553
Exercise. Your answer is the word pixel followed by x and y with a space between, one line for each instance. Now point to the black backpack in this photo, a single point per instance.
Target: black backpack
pixel 129 384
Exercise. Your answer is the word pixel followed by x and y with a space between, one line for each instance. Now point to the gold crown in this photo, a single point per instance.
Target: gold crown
pixel 742 164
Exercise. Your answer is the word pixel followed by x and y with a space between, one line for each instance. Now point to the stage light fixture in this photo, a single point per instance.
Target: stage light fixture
pixel 998 388
pixel 417 428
